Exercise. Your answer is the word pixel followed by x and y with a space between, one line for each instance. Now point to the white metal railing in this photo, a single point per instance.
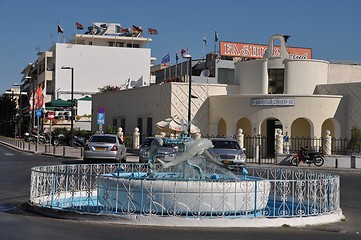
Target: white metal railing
pixel 292 193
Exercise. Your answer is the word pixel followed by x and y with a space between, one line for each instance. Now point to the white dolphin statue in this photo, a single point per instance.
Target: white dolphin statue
pixel 194 148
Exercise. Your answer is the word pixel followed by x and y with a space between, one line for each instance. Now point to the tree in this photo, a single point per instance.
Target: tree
pixel 355 141
pixel 8 112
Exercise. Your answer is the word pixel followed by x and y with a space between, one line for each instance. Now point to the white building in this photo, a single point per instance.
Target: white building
pixel 99 59
pixel 275 91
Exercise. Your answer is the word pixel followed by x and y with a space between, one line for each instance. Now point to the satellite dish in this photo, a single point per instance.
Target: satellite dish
pixel 205 73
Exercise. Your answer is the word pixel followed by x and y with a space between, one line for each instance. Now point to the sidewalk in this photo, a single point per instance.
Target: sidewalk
pixel 58 151
pixel 61 151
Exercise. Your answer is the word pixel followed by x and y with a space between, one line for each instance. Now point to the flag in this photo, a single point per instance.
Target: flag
pixel 137 30
pixel 117 29
pixel 79 26
pixel 124 30
pixel 152 31
pixel 176 57
pixel 182 52
pixel 215 36
pixel 205 41
pixel 166 59
pixel 60 29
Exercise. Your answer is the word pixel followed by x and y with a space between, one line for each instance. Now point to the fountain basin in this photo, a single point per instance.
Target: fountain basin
pixel 167 193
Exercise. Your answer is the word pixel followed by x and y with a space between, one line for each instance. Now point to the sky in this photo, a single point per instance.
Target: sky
pixel 330 28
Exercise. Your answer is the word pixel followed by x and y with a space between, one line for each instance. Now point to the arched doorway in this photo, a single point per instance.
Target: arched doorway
pixel 331 125
pixel 301 128
pixel 246 125
pixel 222 127
pixel 268 131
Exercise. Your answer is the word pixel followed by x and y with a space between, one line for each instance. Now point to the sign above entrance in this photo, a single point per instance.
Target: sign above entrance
pixel 272 102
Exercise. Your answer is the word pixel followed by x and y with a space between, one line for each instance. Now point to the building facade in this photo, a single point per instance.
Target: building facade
pixel 99 59
pixel 275 91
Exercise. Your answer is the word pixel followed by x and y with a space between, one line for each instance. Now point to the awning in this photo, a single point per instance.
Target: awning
pixel 86 98
pixel 58 103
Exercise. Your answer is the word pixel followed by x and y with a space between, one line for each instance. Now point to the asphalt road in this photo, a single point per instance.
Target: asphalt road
pixel 16 223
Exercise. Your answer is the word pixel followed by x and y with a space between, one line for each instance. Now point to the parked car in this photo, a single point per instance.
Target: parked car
pixel 165 153
pixel 104 147
pixel 228 151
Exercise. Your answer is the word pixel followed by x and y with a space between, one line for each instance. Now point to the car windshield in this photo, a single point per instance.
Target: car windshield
pixel 106 139
pixel 225 144
pixel 148 142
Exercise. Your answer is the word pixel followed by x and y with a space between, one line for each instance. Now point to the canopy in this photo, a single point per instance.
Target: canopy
pixel 58 103
pixel 175 124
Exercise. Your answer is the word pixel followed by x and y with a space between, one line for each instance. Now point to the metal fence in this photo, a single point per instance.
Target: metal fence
pixel 289 192
pixel 261 150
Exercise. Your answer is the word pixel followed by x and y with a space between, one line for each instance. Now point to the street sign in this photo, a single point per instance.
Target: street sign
pixel 100 110
pixel 101 118
pixel 51 115
pixel 38 113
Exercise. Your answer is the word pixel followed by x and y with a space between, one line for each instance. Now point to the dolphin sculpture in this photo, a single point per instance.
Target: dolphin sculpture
pixel 194 148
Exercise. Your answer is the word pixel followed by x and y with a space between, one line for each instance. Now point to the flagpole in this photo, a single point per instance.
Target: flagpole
pixel 176 67
pixel 132 35
pixel 204 43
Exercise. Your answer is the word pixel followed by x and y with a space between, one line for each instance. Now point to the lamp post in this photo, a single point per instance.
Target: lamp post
pixel 18 110
pixel 33 107
pixel 189 57
pixel 72 103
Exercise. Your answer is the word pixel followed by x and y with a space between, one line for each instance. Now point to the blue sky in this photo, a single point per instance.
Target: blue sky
pixel 330 28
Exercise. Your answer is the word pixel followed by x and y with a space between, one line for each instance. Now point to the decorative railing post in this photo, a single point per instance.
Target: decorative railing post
pixel 136 139
pixel 328 143
pixel 240 137
pixel 279 142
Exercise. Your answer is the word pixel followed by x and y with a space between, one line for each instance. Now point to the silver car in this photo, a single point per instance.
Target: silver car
pixel 104 147
pixel 165 153
pixel 228 151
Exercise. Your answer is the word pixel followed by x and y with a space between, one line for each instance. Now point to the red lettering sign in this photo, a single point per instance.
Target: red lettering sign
pixel 247 50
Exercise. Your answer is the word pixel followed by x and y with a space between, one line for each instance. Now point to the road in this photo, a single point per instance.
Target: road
pixel 15 223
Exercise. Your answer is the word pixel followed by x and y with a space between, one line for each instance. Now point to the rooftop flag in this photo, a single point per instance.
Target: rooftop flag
pixel 166 59
pixel 124 30
pixel 79 26
pixel 183 51
pixel 60 29
pixel 152 31
pixel 176 57
pixel 215 36
pixel 205 41
pixel 137 29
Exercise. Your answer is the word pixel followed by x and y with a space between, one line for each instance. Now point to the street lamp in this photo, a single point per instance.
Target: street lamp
pixel 72 103
pixel 189 57
pixel 18 109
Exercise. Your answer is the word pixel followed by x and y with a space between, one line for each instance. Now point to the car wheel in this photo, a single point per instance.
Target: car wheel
pixel 56 142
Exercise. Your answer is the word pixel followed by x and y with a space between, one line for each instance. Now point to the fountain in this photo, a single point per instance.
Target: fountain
pixel 194 183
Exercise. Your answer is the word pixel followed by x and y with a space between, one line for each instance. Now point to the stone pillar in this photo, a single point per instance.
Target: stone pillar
pixel 240 137
pixel 279 142
pixel 136 138
pixel 328 143
pixel 286 143
pixel 120 134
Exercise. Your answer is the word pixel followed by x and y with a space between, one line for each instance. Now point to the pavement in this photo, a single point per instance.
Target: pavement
pixel 57 151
